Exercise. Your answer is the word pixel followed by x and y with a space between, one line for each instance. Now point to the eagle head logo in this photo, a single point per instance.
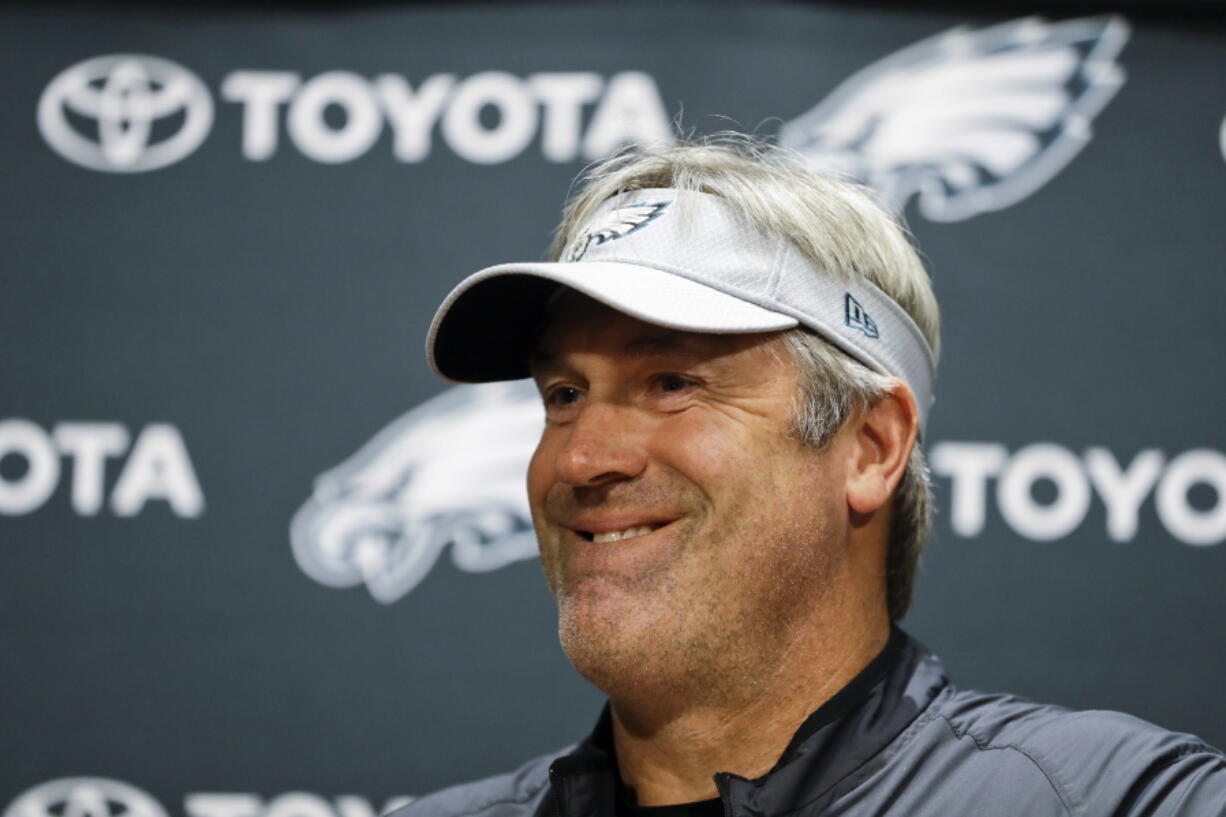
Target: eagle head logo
pixel 449 472
pixel 616 223
pixel 968 121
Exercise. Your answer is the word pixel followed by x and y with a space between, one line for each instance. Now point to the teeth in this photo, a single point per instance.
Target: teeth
pixel 628 533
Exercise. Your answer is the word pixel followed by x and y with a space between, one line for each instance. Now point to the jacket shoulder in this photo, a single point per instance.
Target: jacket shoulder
pixel 514 794
pixel 1095 759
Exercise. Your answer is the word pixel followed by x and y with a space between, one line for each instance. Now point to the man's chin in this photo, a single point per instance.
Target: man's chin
pixel 604 635
pixel 600 610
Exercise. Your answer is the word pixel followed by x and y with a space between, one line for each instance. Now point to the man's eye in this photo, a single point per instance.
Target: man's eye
pixel 673 382
pixel 562 396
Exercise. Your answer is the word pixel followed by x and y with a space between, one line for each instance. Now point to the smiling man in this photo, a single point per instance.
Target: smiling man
pixel 736 358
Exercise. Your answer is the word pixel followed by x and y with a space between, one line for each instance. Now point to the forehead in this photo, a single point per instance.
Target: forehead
pixel 577 324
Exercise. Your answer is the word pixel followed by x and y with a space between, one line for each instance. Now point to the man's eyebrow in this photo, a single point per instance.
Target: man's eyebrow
pixel 644 346
pixel 540 360
pixel 666 343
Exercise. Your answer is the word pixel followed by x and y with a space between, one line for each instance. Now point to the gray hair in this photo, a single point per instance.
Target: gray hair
pixel 840 226
pixel 833 387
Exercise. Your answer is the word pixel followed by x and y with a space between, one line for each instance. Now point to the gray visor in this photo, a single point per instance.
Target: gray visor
pixel 682 260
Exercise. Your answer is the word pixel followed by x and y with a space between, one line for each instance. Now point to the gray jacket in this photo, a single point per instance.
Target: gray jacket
pixel 901 740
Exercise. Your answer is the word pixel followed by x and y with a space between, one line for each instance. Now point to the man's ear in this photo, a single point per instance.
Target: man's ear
pixel 881 443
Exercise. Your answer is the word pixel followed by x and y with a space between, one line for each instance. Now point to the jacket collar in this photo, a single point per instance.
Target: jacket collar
pixel 845 732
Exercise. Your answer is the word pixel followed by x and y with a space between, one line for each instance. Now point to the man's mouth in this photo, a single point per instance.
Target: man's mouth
pixel 605 535
pixel 618 535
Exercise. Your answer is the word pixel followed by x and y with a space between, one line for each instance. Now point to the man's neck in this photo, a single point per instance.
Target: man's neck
pixel 669 754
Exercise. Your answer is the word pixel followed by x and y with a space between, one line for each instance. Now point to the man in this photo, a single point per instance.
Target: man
pixel 736 358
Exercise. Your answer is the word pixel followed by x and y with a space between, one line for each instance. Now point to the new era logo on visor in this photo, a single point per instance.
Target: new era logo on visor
pixel 616 223
pixel 855 317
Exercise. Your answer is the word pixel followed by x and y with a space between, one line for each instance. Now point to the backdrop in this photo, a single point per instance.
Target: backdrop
pixel 258 562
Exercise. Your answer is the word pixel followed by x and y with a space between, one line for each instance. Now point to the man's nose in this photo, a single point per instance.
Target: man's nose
pixel 603 446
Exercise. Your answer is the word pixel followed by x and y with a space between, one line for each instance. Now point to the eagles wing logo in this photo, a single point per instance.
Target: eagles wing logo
pixel 449 472
pixel 969 121
pixel 617 223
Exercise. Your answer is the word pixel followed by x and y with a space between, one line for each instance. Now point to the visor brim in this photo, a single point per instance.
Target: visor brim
pixel 489 325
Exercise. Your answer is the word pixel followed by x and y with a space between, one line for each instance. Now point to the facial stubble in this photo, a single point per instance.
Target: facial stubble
pixel 711 619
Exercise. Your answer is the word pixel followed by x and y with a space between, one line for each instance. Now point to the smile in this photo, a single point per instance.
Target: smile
pixel 618 535
pixel 605 532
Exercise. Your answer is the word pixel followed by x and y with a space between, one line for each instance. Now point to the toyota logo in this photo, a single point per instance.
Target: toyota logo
pixel 125 113
pixel 86 797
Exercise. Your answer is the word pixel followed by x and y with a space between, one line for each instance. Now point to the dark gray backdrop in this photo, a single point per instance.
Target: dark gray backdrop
pixel 270 315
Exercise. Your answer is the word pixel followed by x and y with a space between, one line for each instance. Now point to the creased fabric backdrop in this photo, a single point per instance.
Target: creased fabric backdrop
pixel 258 562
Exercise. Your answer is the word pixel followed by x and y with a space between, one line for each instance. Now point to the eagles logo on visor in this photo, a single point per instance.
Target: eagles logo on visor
pixel 616 223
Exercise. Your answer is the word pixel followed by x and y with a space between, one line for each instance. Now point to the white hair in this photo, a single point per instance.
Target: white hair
pixel 841 227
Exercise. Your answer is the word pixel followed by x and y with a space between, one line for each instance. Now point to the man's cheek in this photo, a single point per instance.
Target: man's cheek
pixel 550 559
pixel 704 454
pixel 539 478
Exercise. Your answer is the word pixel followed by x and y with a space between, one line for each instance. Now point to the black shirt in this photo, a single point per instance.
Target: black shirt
pixel 702 808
